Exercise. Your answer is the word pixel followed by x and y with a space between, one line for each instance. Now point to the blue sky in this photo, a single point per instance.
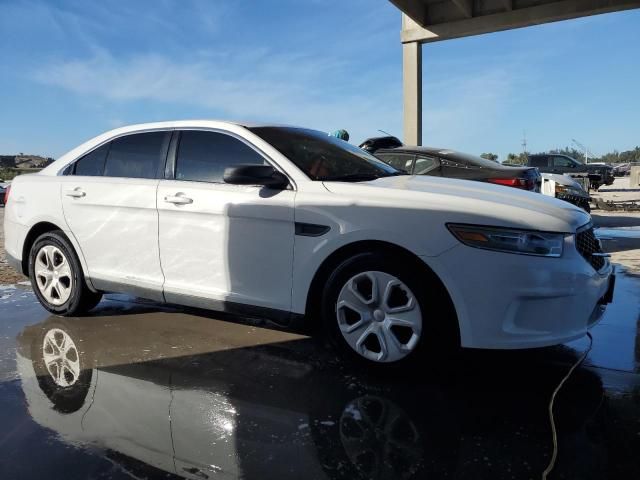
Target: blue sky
pixel 72 69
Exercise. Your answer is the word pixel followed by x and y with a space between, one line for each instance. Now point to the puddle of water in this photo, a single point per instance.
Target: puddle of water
pixel 616 339
pixel 619 232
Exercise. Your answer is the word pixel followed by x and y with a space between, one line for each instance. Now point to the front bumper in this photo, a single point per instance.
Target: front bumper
pixel 510 301
pixel 581 202
pixel 14 263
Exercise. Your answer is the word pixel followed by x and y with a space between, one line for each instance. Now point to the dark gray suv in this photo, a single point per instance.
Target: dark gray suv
pixel 564 165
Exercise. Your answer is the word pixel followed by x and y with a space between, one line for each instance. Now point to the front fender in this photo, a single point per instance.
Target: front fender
pixel 311 252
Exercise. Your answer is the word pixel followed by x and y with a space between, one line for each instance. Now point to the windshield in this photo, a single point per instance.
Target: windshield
pixel 322 157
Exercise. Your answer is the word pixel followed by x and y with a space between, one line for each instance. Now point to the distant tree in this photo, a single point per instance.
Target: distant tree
pixel 612 157
pixel 630 156
pixel 517 158
pixel 490 156
pixel 570 152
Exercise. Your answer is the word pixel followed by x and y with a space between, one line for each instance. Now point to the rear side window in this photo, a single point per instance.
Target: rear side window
pixel 401 161
pixel 92 164
pixel 141 155
pixel 424 165
pixel 203 156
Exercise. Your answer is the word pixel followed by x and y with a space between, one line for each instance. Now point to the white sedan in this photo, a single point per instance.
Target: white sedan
pixel 289 223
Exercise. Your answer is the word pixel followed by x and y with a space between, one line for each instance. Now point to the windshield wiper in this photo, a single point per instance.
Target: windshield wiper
pixel 351 177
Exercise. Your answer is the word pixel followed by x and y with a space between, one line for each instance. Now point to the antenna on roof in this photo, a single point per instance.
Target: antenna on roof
pixel 385 132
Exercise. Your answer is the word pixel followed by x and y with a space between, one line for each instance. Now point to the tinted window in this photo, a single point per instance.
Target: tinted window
pixel 538 161
pixel 203 156
pixel 92 164
pixel 137 156
pixel 322 157
pixel 563 162
pixel 401 161
pixel 424 165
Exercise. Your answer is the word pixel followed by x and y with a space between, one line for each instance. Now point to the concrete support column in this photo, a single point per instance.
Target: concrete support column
pixel 412 92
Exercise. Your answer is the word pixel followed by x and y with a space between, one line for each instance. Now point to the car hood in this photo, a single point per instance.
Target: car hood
pixel 467 201
pixel 563 180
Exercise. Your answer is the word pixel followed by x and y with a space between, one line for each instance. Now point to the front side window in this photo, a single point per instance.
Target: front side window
pixel 92 164
pixel 563 162
pixel 399 161
pixel 204 156
pixel 141 155
pixel 322 157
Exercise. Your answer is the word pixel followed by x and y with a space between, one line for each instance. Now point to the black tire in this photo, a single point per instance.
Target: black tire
pixel 64 399
pixel 438 337
pixel 81 299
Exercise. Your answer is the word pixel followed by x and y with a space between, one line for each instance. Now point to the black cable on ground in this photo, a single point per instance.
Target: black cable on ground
pixel 554 433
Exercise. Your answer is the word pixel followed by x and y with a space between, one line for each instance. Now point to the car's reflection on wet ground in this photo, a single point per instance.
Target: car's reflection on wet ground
pixel 141 391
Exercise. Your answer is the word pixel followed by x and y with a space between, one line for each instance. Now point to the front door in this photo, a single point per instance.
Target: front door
pixel 222 243
pixel 563 165
pixel 109 202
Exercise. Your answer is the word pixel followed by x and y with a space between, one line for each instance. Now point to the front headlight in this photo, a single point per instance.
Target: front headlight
pixel 524 242
pixel 563 189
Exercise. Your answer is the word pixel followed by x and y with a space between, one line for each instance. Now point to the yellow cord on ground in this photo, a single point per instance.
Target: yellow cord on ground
pixel 554 433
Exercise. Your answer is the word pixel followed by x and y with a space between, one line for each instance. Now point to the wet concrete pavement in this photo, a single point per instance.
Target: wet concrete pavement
pixel 164 393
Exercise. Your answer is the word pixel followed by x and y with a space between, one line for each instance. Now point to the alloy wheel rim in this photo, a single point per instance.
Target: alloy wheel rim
pixel 379 316
pixel 53 275
pixel 61 357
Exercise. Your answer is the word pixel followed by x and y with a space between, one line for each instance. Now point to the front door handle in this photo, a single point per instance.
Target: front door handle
pixel 75 193
pixel 178 199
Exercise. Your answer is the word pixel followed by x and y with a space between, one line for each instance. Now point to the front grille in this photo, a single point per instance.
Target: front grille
pixel 587 244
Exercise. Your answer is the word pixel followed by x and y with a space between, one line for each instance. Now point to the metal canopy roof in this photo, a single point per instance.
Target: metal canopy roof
pixel 434 20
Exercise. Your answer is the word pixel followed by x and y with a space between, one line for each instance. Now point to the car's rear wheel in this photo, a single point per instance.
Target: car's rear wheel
pixel 378 310
pixel 61 367
pixel 57 278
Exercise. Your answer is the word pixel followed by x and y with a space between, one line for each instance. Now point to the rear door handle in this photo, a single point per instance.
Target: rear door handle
pixel 75 193
pixel 178 199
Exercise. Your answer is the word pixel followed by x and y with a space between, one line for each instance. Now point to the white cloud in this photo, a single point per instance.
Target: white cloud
pixel 466 106
pixel 469 108
pixel 316 91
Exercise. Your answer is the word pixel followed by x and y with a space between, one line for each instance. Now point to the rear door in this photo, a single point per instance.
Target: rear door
pixel 541 162
pixel 129 413
pixel 458 168
pixel 223 243
pixel 109 201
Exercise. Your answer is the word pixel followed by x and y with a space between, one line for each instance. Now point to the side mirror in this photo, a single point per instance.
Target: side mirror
pixel 264 175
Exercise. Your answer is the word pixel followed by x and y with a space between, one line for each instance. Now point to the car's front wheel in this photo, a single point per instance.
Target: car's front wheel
pixel 57 278
pixel 379 310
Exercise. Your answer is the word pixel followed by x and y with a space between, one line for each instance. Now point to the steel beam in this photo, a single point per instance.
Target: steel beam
pixel 412 92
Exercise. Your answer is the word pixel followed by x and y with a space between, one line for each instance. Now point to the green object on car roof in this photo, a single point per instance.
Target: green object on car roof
pixel 342 134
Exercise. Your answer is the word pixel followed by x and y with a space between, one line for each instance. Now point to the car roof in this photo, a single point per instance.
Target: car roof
pixel 447 153
pixel 199 123
pixel 56 167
